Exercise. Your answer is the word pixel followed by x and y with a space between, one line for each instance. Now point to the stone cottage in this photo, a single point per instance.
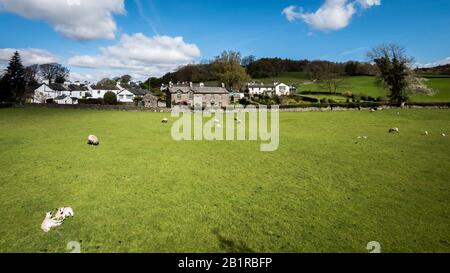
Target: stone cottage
pixel 185 94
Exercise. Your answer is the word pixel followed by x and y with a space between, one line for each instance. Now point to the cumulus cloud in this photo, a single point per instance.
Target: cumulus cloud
pixel 76 19
pixel 29 56
pixel 332 15
pixel 141 55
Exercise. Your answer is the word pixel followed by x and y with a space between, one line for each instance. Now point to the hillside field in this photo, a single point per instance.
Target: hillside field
pixel 323 190
pixel 366 85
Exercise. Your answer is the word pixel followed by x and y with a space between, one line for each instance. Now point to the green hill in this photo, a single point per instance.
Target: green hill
pixel 364 86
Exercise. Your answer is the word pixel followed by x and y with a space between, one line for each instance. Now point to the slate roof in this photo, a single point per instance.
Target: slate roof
pixel 104 87
pixel 197 89
pixel 74 87
pixel 138 92
pixel 57 87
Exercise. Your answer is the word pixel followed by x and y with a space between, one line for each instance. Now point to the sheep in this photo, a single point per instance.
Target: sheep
pixel 63 213
pixel 394 130
pixel 426 133
pixel 165 120
pixel 93 140
pixel 443 135
pixel 50 222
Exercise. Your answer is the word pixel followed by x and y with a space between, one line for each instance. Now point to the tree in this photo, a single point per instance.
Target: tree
pixel 13 81
pixel 54 72
pixel 31 75
pixel 110 98
pixel 227 69
pixel 330 76
pixel 393 65
pixel 125 79
pixel 107 81
pixel 247 61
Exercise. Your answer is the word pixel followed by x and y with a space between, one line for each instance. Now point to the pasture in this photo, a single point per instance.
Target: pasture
pixel 366 86
pixel 323 190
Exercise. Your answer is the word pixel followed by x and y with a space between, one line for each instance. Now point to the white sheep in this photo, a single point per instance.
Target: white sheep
pixel 50 222
pixel 394 130
pixel 93 140
pixel 63 213
pixel 165 120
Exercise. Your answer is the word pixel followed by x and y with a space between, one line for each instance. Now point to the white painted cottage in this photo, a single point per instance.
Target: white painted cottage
pixel 279 89
pixel 129 94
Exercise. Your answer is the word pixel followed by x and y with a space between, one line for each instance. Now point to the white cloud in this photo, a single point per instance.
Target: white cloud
pixel 29 56
pixel 369 3
pixel 433 64
pixel 332 15
pixel 141 55
pixel 76 19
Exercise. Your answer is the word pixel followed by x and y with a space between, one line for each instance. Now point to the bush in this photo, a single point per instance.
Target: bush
pixel 331 101
pixel 90 101
pixel 244 101
pixel 110 98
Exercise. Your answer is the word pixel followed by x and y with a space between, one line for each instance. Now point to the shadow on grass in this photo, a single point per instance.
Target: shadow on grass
pixel 231 246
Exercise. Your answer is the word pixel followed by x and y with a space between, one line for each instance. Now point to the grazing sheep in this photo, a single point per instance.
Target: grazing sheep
pixel 63 213
pixel 443 135
pixel 49 222
pixel 372 110
pixel 394 130
pixel 165 120
pixel 426 133
pixel 93 140
pixel 364 137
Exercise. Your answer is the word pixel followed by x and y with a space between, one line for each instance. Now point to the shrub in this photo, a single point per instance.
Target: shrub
pixel 244 101
pixel 110 98
pixel 91 101
pixel 331 101
pixel 364 98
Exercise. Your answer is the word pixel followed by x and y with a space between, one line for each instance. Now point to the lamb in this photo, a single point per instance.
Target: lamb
pixel 165 120
pixel 50 222
pixel 63 213
pixel 93 140
pixel 394 130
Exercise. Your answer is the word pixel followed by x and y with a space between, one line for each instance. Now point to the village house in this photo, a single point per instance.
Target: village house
pixel 130 94
pixel 186 94
pixel 59 93
pixel 279 89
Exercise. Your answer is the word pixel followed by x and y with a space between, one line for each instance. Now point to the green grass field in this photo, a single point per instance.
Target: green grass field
pixel 366 85
pixel 139 191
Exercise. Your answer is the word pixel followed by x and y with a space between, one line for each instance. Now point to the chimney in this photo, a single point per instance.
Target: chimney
pixel 190 84
pixel 223 85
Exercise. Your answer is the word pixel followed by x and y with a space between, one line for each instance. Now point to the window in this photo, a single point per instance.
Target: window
pixel 282 88
pixel 98 92
pixel 129 97
pixel 179 95
pixel 121 97
pixel 191 95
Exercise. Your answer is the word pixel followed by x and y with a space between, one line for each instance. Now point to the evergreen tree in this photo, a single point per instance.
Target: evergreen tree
pixel 14 80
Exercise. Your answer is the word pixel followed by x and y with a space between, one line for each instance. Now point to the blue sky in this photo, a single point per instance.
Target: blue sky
pixel 207 27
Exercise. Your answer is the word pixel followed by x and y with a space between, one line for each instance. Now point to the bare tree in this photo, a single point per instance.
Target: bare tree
pixel 54 72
